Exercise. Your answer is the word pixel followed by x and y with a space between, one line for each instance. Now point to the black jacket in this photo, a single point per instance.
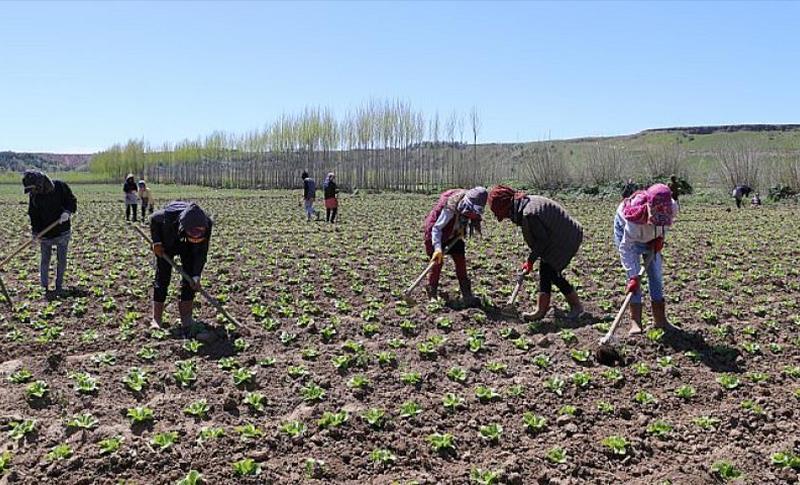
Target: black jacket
pixel 130 186
pixel 167 228
pixel 46 208
pixel 330 190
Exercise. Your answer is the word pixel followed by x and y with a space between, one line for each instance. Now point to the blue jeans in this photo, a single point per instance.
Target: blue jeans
pixel 309 207
pixel 61 243
pixel 655 274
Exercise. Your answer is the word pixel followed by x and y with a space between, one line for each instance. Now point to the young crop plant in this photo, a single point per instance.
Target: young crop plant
pixel 705 422
pixel 641 369
pixel 194 477
pixel 618 445
pixel 557 455
pixel 541 361
pixel 605 407
pixel 409 409
pixel 581 379
pixel 375 417
pixel 655 335
pixel 110 445
pixel 412 378
pixel 728 381
pixel 568 336
pixel 783 459
pixel 293 428
pixel 59 452
pixel 136 380
pixel 5 462
pixel 516 390
pixel 644 398
pixel 297 371
pixel 580 356
pixel 246 468
pixel 485 477
pixel 555 384
pixel 659 428
pixel 386 359
pixel 82 421
pixel 382 457
pixel 164 440
pixel 20 429
pixel 442 443
pixel 207 434
pixel 249 431
pixel 491 432
pixel 140 414
pixel 37 390
pixel 311 392
pixel 20 377
pixel 192 346
pixel 451 401
pixel 84 383
pixel 331 420
pixel 242 376
pixel 185 373
pixel 147 353
pixel 685 392
pixel 534 423
pixel 199 409
pixel 457 374
pixel 256 401
pixel 359 383
pixel 613 375
pixel 725 470
pixel 753 407
pixel 486 394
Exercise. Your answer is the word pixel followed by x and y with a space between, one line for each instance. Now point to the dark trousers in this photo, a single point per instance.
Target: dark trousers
pixel 548 276
pixel 163 275
pixel 145 205
pixel 128 209
pixel 330 214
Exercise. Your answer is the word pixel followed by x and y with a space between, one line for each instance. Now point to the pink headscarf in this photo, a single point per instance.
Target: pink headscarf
pixel 651 206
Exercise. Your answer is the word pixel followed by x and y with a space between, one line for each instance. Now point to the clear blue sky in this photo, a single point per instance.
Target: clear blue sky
pixel 78 77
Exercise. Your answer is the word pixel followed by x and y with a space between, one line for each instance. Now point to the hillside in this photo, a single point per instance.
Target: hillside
pixel 17 162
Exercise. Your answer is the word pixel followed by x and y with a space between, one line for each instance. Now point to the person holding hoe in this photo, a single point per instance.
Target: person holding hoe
pixel 330 190
pixel 445 229
pixel 640 226
pixel 50 201
pixel 180 229
pixel 130 189
pixel 146 198
pixel 552 236
pixel 309 195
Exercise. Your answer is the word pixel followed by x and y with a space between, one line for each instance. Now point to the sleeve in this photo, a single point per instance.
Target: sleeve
pixel 534 233
pixel 156 227
pixel 436 231
pixel 200 254
pixel 68 201
pixel 36 220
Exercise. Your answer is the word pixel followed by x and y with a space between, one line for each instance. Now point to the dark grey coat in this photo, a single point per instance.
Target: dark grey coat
pixel 549 231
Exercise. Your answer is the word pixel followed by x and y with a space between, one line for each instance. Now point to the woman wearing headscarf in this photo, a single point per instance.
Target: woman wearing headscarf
pixel 552 236
pixel 330 190
pixel 640 225
pixel 445 229
pixel 131 191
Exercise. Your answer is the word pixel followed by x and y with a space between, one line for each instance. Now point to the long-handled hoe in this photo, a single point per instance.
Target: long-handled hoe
pixel 213 301
pixel 407 292
pixel 19 250
pixel 606 352
pixel 510 309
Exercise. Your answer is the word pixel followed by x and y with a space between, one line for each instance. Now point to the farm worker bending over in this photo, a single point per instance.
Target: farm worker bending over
pixel 309 194
pixel 146 197
pixel 330 190
pixel 640 225
pixel 130 189
pixel 180 229
pixel 50 201
pixel 455 210
pixel 552 236
pixel 740 192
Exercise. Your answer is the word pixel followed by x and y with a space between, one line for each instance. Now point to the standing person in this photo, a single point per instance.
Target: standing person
pixel 180 229
pixel 640 226
pixel 740 192
pixel 330 190
pixel 675 189
pixel 146 198
pixel 446 224
pixel 629 188
pixel 309 195
pixel 130 190
pixel 552 236
pixel 50 201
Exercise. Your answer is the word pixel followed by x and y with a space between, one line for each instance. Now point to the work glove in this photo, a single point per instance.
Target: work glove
pixel 527 267
pixel 158 250
pixel 657 244
pixel 195 283
pixel 64 217
pixel 438 257
pixel 633 285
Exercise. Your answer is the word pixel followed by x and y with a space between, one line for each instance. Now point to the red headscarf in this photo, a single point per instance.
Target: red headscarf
pixel 501 199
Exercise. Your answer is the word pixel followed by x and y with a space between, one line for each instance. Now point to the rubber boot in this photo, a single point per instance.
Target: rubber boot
pixel 636 318
pixel 575 306
pixel 542 307
pixel 468 299
pixel 660 316
pixel 185 311
pixel 158 315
